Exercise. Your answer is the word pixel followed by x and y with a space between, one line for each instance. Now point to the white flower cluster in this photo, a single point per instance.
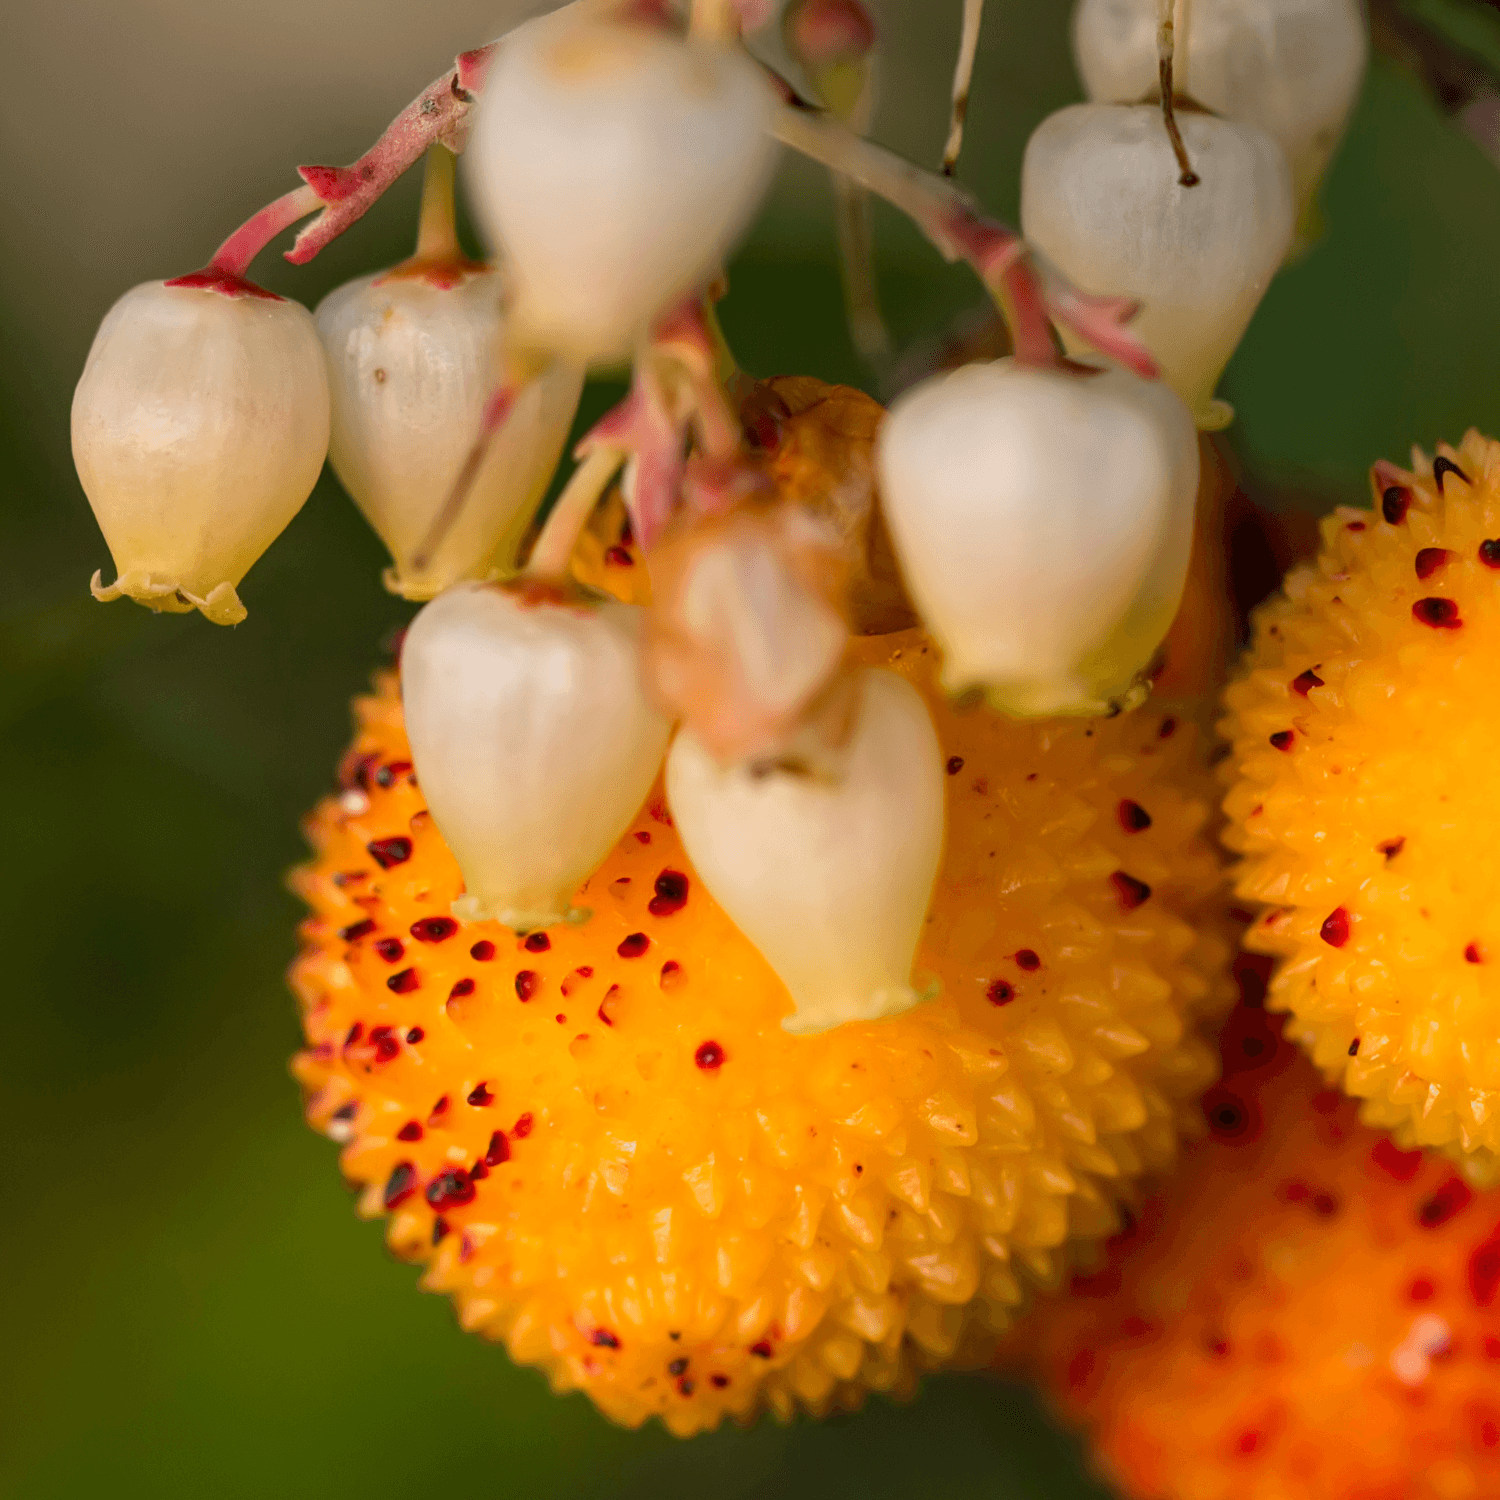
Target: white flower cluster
pixel 1041 507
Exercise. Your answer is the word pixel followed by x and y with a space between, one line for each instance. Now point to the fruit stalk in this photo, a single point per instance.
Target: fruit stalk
pixel 959 230
pixel 439 115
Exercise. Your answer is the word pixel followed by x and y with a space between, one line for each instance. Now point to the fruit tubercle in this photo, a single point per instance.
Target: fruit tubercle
pixel 219 606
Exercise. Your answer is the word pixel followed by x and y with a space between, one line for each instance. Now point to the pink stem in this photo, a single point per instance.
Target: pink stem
pixel 644 426
pixel 439 115
pixel 233 257
pixel 960 230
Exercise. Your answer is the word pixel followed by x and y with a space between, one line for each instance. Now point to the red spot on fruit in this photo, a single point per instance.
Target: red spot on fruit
pixel 390 949
pixel 1355 526
pixel 1132 892
pixel 634 945
pixel 404 982
pixel 1133 817
pixel 1453 1196
pixel 955 764
pixel 709 1056
pixel 433 929
pixel 1395 501
pixel 1000 993
pixel 400 1185
pixel 762 1350
pixel 1394 1162
pixel 1304 682
pixel 1026 959
pixel 1489 553
pixel 671 894
pixel 1335 928
pixel 522 1128
pixel 602 1338
pixel 391 851
pixel 383 1040
pixel 498 1150
pixel 1430 559
pixel 355 931
pixel 1442 467
pixel 1484 1273
pixel 528 981
pixel 411 1131
pixel 387 776
pixel 483 950
pixel 1167 728
pixel 450 1189
pixel 1439 614
pixel 1230 1117
pixel 1391 847
pixel 461 987
pixel 415 1035
pixel 1474 954
pixel 480 1096
pixel 1282 739
pixel 618 557
pixel 1421 1289
pixel 537 942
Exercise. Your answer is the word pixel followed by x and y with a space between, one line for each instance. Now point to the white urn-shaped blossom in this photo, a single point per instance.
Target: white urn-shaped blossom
pixel 1101 199
pixel 200 425
pixel 412 359
pixel 1043 519
pixel 532 741
pixel 1292 67
pixel 829 878
pixel 614 164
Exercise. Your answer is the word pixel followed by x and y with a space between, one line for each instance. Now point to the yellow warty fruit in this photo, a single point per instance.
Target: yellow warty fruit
pixel 1366 801
pixel 604 1146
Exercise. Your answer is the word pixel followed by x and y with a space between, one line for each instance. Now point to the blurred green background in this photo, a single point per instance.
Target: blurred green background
pixel 188 1306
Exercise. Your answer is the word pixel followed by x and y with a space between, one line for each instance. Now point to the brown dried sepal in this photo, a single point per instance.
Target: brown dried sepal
pixel 819 445
pixel 746 635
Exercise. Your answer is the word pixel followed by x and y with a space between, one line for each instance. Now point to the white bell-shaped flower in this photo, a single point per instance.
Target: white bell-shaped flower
pixel 830 879
pixel 614 165
pixel 1043 519
pixel 1101 200
pixel 200 425
pixel 1292 67
pixel 412 359
pixel 532 741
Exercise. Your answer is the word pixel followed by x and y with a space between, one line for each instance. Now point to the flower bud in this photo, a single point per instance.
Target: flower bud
pixel 200 425
pixel 1101 199
pixel 1043 518
pixel 532 741
pixel 614 165
pixel 1291 67
pixel 412 359
pixel 829 879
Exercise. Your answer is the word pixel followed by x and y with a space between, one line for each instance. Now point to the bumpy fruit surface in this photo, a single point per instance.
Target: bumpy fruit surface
pixel 601 1142
pixel 1305 1312
pixel 1366 801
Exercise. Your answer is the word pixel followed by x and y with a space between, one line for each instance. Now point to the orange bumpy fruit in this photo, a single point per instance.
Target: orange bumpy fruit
pixel 1305 1312
pixel 605 1148
pixel 1366 801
